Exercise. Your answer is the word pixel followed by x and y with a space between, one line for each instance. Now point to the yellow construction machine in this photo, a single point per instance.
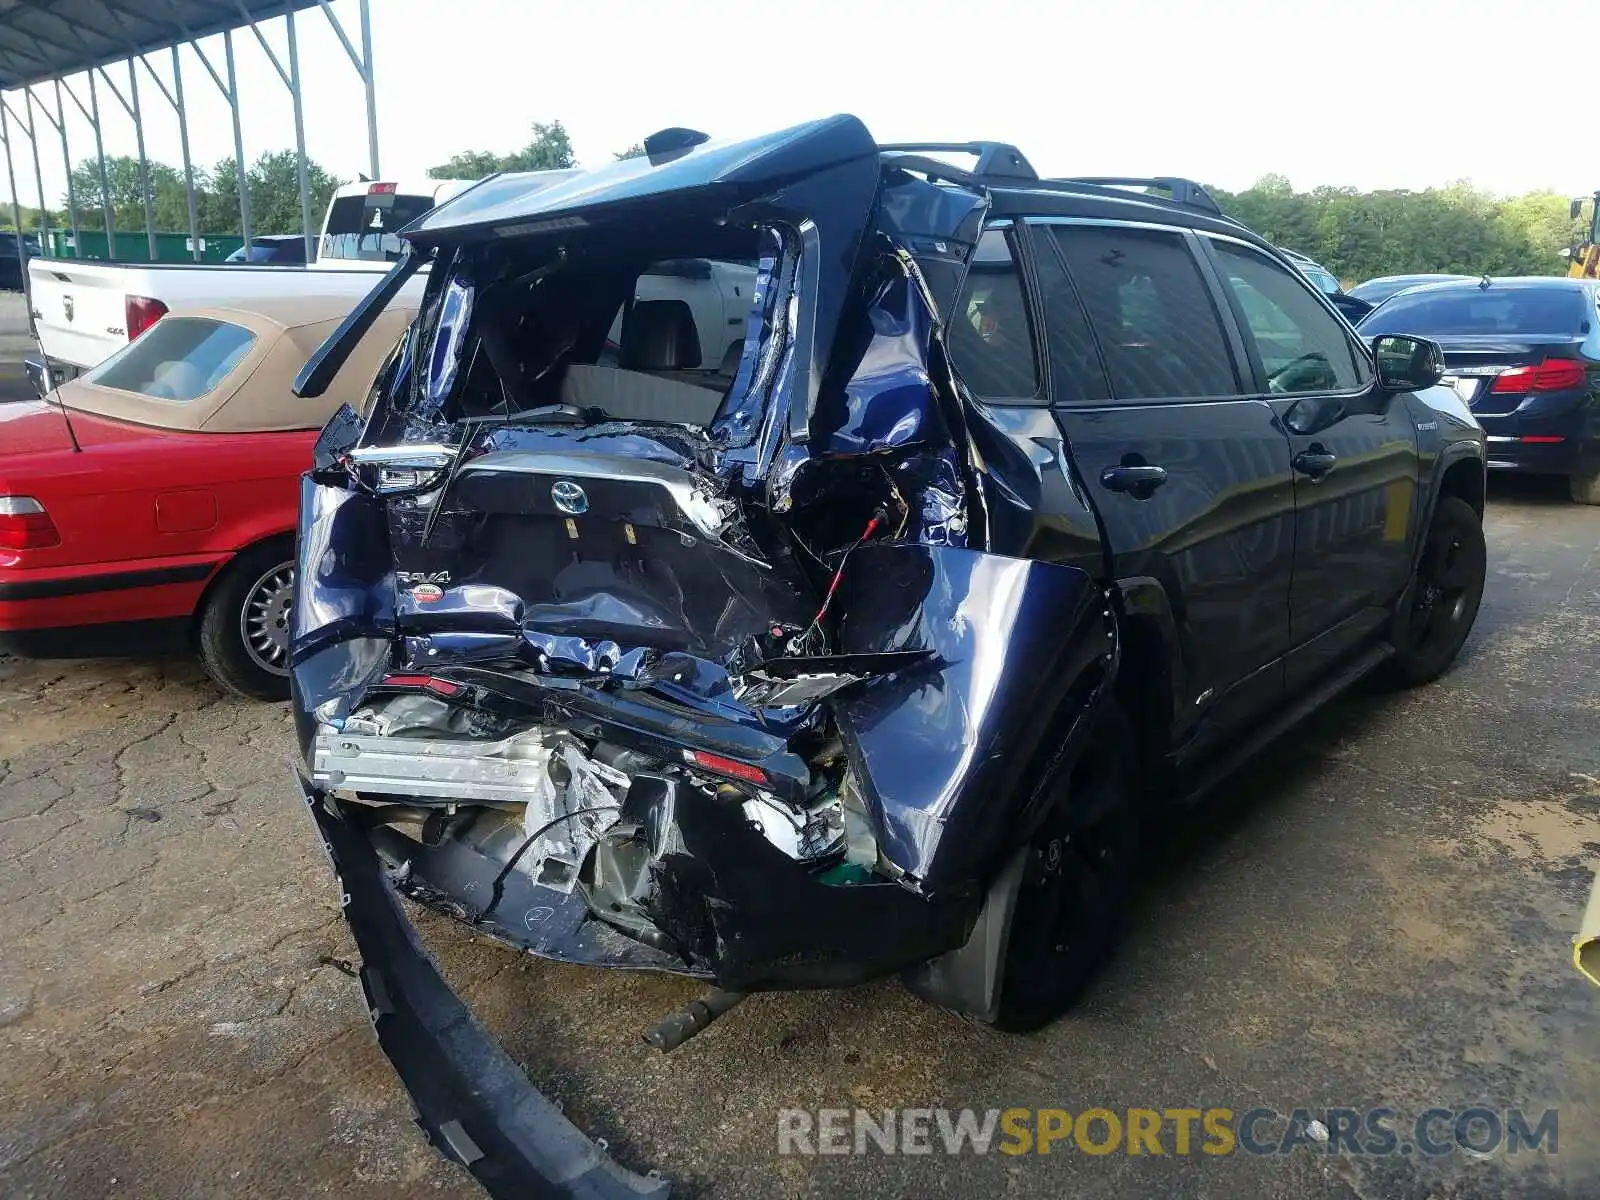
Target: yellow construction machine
pixel 1583 262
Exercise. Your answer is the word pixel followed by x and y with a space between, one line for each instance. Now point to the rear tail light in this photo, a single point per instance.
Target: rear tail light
pixel 382 189
pixel 730 767
pixel 24 525
pixel 1552 375
pixel 140 313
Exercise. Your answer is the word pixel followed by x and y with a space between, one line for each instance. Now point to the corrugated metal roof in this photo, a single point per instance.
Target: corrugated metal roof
pixel 47 39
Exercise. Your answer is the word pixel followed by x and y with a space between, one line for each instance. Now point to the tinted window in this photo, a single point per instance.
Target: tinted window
pixel 1471 309
pixel 990 345
pixel 1157 328
pixel 178 358
pixel 1076 375
pixel 1302 346
pixel 364 227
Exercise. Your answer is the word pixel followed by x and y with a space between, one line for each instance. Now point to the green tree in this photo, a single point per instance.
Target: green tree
pixel 275 193
pixel 127 195
pixel 549 149
pixel 634 151
pixel 1455 228
pixel 219 203
pixel 273 179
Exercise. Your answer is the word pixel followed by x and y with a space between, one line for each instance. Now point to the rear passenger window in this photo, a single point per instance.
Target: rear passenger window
pixel 1302 346
pixel 1158 331
pixel 990 344
pixel 1076 376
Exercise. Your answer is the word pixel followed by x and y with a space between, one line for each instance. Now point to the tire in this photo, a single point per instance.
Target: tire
pixel 243 627
pixel 1585 488
pixel 1079 880
pixel 1437 609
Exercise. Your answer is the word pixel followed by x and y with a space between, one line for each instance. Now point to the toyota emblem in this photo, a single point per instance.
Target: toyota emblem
pixel 569 497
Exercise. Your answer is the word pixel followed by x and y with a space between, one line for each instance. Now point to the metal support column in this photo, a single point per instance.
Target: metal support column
pixel 60 123
pixel 363 65
pixel 132 109
pixel 107 208
pixel 144 165
pixel 300 136
pixel 175 98
pixel 291 80
pixel 230 93
pixel 45 229
pixel 16 216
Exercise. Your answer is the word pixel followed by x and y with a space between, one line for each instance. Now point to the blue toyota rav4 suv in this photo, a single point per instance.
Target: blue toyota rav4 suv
pixel 1024 505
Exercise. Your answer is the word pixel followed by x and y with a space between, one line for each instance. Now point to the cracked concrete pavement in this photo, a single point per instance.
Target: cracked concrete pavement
pixel 1378 913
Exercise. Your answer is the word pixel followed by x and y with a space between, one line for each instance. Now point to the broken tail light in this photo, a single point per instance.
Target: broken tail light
pixel 731 767
pixel 425 683
pixel 141 312
pixel 1552 375
pixel 24 525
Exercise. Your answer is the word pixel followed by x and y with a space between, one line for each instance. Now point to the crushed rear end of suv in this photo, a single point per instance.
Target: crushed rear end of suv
pixel 633 651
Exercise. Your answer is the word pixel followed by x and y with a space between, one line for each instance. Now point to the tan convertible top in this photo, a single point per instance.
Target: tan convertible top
pixel 255 395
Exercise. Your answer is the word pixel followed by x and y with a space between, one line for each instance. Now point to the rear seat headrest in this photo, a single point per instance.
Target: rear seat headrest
pixel 659 335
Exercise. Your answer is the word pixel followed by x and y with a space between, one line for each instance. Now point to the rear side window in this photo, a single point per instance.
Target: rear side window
pixel 1302 346
pixel 990 343
pixel 1076 376
pixel 364 228
pixel 1558 311
pixel 178 358
pixel 1158 331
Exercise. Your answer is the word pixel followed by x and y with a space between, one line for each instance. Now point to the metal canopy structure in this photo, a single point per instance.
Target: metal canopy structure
pixel 50 41
pixel 43 40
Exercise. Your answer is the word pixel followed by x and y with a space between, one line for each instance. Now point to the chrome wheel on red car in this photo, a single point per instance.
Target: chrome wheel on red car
pixel 243 627
pixel 264 620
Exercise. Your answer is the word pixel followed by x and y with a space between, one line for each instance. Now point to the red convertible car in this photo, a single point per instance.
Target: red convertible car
pixel 154 498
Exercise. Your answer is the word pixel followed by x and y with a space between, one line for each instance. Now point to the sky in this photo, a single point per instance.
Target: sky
pixel 1366 93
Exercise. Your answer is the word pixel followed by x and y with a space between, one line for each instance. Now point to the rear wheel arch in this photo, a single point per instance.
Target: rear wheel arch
pixel 1465 478
pixel 284 540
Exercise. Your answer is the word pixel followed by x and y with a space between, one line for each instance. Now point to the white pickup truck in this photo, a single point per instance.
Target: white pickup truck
pixel 83 311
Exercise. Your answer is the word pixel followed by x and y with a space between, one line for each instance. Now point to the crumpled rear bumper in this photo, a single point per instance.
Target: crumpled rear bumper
pixel 473 1102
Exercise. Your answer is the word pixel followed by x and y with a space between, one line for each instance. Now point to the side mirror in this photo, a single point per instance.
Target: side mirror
pixel 1407 364
pixel 1575 210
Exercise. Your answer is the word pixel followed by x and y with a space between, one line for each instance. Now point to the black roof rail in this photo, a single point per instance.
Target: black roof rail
pixel 1001 163
pixel 1186 192
pixel 996 160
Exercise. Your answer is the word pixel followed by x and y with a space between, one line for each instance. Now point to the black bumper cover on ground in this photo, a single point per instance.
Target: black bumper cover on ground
pixel 474 1103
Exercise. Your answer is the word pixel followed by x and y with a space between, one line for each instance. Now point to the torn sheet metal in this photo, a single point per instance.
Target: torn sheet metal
pixel 940 747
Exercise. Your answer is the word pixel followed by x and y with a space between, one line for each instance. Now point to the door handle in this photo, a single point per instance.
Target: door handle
pixel 1140 481
pixel 1315 462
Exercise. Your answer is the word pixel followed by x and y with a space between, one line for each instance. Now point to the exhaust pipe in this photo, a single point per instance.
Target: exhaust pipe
pixel 673 1031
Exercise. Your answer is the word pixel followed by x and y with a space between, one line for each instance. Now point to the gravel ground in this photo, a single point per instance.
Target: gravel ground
pixel 1378 913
